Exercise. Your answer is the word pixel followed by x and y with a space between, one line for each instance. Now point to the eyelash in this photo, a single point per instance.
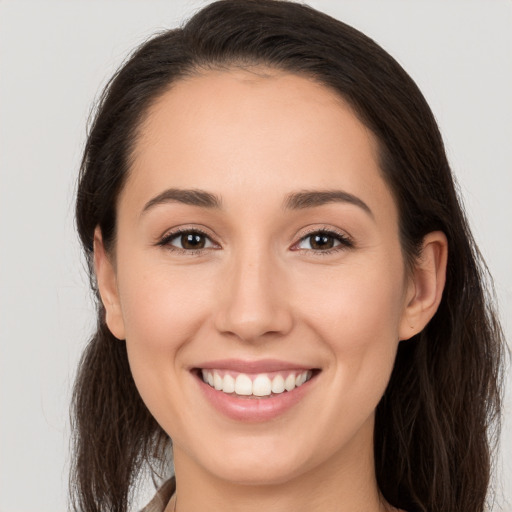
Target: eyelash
pixel 345 242
pixel 166 240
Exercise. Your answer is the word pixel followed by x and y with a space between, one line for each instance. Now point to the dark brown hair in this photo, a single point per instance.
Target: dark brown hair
pixel 438 421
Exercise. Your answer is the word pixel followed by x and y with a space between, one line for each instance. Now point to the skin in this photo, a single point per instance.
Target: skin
pixel 259 289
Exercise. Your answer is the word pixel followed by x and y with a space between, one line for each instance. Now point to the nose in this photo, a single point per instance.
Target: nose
pixel 253 302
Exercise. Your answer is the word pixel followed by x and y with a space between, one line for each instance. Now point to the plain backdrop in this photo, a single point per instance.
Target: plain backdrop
pixel 54 59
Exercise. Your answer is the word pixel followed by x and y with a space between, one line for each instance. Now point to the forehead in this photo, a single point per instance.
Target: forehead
pixel 257 131
pixel 257 100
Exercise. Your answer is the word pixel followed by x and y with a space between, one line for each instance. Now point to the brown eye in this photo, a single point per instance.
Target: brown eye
pixel 187 241
pixel 192 241
pixel 323 241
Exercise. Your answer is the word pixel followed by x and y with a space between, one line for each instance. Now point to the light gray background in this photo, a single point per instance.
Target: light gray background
pixel 55 56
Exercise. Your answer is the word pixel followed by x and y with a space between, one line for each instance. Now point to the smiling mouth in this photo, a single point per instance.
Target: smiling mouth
pixel 260 385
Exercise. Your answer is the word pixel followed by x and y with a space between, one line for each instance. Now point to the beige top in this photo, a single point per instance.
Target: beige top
pixel 162 497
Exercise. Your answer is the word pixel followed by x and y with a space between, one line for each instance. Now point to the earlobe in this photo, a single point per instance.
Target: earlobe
pixel 426 285
pixel 107 286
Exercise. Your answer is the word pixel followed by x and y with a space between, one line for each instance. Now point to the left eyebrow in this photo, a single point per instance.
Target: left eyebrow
pixel 312 198
pixel 193 197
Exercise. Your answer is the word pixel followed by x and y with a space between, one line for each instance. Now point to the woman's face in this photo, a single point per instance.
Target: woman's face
pixel 257 241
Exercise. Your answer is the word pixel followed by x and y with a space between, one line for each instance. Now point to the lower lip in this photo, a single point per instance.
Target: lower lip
pixel 254 409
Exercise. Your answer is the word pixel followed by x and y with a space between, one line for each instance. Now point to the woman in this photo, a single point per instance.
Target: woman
pixel 287 286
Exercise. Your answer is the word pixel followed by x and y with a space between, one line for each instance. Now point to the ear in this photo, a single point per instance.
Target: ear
pixel 426 284
pixel 107 285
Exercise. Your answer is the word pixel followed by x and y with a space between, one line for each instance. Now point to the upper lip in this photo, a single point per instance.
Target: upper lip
pixel 245 366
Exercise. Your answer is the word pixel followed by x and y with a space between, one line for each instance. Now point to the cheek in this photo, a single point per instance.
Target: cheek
pixel 163 309
pixel 162 306
pixel 356 314
pixel 356 318
pixel 356 305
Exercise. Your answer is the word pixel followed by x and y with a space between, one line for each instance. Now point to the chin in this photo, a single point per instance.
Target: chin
pixel 257 466
pixel 263 475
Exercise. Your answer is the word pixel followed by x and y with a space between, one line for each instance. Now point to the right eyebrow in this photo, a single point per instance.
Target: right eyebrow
pixel 194 197
pixel 312 198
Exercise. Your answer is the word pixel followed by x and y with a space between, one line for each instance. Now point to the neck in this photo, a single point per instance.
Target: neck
pixel 344 483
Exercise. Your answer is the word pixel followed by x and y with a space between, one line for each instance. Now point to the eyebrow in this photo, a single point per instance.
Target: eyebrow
pixel 295 201
pixel 312 198
pixel 193 197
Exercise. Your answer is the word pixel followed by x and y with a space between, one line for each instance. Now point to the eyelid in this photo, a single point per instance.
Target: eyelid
pixel 164 240
pixel 346 241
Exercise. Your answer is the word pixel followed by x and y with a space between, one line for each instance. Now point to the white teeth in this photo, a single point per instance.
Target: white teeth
pixel 217 381
pixel 289 383
pixel 278 384
pixel 301 378
pixel 243 385
pixel 262 385
pixel 229 384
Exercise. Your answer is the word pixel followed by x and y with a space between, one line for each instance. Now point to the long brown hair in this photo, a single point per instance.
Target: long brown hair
pixel 438 421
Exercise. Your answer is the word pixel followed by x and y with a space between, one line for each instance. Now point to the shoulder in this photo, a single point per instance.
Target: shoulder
pixel 162 497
